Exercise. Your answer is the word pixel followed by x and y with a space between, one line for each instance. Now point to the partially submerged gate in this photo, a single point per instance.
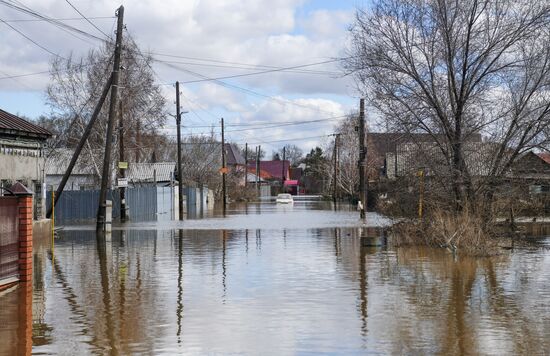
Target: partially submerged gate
pixel 9 240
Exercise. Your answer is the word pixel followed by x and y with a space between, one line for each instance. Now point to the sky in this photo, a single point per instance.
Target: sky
pixel 277 33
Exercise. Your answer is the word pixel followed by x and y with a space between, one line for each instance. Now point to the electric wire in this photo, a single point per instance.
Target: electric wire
pixel 33 13
pixel 31 40
pixel 62 19
pixel 245 90
pixel 266 69
pixel 85 18
pixel 233 64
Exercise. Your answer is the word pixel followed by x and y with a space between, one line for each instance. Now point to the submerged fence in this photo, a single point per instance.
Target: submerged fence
pixel 144 204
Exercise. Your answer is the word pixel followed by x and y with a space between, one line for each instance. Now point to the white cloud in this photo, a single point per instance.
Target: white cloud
pixel 243 31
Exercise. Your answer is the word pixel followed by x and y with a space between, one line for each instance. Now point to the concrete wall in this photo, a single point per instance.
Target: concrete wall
pixel 14 167
pixel 28 170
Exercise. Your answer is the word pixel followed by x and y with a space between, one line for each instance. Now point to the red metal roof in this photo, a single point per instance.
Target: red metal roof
pixel 545 156
pixel 263 174
pixel 16 126
pixel 275 168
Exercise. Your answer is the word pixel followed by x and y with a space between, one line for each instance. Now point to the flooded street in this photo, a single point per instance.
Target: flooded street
pixel 273 280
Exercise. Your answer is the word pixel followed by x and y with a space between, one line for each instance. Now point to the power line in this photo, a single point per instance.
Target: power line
pixel 85 18
pixel 290 139
pixel 257 126
pixel 26 10
pixel 267 69
pixel 45 18
pixel 283 69
pixel 257 143
pixel 245 90
pixel 44 72
pixel 62 19
pixel 249 65
pixel 31 40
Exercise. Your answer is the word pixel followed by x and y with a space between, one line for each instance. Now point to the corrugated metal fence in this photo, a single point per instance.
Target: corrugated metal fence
pixel 144 203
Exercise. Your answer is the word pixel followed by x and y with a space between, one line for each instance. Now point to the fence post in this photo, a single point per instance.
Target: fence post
pixel 24 212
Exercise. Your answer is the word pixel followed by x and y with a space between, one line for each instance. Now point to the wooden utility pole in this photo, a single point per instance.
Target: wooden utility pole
pixel 284 175
pixel 246 164
pixel 258 149
pixel 81 143
pixel 137 154
pixel 421 193
pixel 121 160
pixel 112 112
pixel 224 173
pixel 335 156
pixel 180 173
pixel 362 160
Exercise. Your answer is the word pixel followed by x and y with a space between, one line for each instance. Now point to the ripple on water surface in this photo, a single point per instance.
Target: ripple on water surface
pixel 273 282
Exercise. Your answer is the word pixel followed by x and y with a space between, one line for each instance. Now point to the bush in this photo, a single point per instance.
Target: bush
pixel 462 232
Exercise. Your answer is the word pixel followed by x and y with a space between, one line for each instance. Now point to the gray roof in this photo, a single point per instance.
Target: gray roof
pixel 58 161
pixel 146 172
pixel 234 155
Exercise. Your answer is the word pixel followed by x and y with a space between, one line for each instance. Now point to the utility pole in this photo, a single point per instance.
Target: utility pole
pixel 258 150
pixel 224 173
pixel 180 173
pixel 335 156
pixel 112 112
pixel 284 159
pixel 121 160
pixel 362 160
pixel 246 164
pixel 81 143
pixel 138 141
pixel 421 193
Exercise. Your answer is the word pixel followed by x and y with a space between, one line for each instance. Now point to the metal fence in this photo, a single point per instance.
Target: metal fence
pixel 144 204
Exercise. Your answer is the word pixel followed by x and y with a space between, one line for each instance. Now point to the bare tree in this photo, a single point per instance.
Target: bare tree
pixel 293 154
pixel 348 158
pixel 75 88
pixel 201 161
pixel 455 69
pixel 252 153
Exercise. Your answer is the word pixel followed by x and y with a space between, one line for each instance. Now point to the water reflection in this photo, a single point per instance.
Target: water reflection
pixel 179 310
pixel 332 290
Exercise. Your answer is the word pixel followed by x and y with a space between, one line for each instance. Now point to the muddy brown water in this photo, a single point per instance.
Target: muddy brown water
pixel 275 280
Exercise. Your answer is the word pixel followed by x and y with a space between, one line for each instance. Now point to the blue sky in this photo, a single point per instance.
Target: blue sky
pixel 278 33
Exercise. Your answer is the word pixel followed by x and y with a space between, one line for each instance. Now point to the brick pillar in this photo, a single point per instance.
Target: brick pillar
pixel 24 328
pixel 25 237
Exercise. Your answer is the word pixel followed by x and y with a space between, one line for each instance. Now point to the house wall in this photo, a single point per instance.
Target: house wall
pixel 14 167
pixel 26 166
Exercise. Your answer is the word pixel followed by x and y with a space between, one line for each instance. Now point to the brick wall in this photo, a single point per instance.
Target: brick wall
pixel 25 237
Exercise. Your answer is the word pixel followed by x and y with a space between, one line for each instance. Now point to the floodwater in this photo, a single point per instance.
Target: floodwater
pixel 274 280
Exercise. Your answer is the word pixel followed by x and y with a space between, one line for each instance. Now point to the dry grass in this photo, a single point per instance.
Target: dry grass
pixel 463 233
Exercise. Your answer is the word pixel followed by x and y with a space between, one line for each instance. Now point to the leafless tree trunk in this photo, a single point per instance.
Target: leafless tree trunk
pixel 455 69
pixel 75 87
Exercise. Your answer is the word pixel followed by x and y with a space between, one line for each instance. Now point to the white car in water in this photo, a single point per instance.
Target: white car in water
pixel 284 199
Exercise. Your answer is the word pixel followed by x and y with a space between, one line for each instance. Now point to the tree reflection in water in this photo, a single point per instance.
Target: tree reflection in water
pixel 320 290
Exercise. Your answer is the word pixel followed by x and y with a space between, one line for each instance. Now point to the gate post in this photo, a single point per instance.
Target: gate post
pixel 24 212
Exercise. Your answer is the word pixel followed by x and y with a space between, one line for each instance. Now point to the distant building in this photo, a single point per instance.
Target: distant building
pixel 252 177
pixel 233 156
pixel 84 175
pixel 385 148
pixel 150 174
pixel 22 156
pixel 275 168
